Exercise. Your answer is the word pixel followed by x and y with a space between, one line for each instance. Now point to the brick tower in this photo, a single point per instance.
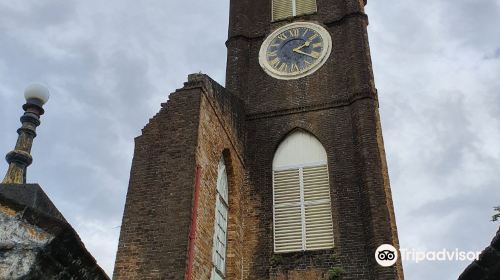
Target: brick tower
pixel 279 175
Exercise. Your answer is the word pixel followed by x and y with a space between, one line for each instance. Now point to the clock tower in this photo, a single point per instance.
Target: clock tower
pixel 281 174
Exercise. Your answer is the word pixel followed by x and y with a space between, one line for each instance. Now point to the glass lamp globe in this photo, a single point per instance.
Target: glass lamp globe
pixel 37 91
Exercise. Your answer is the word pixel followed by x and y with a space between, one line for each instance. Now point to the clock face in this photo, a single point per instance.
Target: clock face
pixel 295 50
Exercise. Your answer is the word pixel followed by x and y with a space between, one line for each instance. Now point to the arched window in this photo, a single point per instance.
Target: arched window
pixel 290 8
pixel 220 232
pixel 301 195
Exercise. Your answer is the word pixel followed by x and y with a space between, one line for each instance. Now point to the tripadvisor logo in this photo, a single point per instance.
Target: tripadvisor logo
pixel 386 255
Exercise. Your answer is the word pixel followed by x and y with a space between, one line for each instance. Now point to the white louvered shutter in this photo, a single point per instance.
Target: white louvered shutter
pixel 288 224
pixel 318 210
pixel 282 9
pixel 305 7
pixel 301 195
pixel 289 8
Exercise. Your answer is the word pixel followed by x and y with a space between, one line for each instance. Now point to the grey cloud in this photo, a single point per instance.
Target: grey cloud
pixel 472 22
pixel 493 55
pixel 36 14
pixel 109 66
pixel 441 120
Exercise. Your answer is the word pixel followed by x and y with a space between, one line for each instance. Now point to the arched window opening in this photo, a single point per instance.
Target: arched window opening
pixel 301 195
pixel 220 232
pixel 291 8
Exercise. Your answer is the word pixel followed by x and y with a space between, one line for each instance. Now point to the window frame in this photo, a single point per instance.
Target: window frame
pixel 220 203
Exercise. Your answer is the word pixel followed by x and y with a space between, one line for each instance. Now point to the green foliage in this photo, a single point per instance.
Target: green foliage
pixel 335 273
pixel 496 217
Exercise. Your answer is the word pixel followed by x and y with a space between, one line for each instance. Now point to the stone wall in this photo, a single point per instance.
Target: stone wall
pixel 35 240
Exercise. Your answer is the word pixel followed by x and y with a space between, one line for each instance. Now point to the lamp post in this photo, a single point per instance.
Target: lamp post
pixel 20 158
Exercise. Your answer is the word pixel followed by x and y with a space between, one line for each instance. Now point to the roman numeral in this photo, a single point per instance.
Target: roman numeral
pixel 317 45
pixel 315 54
pixel 295 68
pixel 274 53
pixel 313 37
pixel 294 32
pixel 283 67
pixel 275 62
pixel 282 36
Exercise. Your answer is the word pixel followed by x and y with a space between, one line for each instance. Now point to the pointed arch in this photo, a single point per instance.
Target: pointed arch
pixel 299 148
pixel 302 212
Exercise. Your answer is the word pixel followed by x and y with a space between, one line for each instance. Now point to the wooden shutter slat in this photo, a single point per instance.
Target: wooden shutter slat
pixel 282 9
pixel 305 7
pixel 318 216
pixel 288 222
pixel 286 186
pixel 319 226
pixel 316 183
pixel 302 209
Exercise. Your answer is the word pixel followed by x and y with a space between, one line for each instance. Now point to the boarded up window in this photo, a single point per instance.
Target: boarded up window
pixel 290 8
pixel 301 196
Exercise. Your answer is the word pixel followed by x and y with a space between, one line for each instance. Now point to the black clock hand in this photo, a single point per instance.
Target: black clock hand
pixel 304 53
pixel 306 44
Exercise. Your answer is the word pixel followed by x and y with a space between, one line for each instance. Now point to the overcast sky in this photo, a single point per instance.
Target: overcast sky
pixel 109 65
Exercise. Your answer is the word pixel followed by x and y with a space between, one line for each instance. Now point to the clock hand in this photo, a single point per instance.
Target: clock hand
pixel 306 44
pixel 304 53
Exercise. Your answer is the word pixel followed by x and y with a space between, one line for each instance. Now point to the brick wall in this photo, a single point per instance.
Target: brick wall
pixel 218 135
pixel 198 125
pixel 338 104
pixel 154 234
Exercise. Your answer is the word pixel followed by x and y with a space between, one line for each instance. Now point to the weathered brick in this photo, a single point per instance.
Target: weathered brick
pixel 246 122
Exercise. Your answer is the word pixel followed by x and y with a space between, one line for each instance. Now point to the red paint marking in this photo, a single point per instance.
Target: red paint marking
pixel 192 233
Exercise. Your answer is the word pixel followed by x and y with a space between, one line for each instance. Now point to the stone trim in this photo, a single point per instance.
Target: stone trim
pixel 317 107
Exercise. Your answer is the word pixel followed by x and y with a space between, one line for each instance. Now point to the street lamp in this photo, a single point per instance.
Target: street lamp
pixel 20 158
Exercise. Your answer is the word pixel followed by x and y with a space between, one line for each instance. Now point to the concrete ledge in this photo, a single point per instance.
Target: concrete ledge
pixel 36 242
pixel 31 195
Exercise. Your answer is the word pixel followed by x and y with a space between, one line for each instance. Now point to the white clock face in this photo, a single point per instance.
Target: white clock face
pixel 295 50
